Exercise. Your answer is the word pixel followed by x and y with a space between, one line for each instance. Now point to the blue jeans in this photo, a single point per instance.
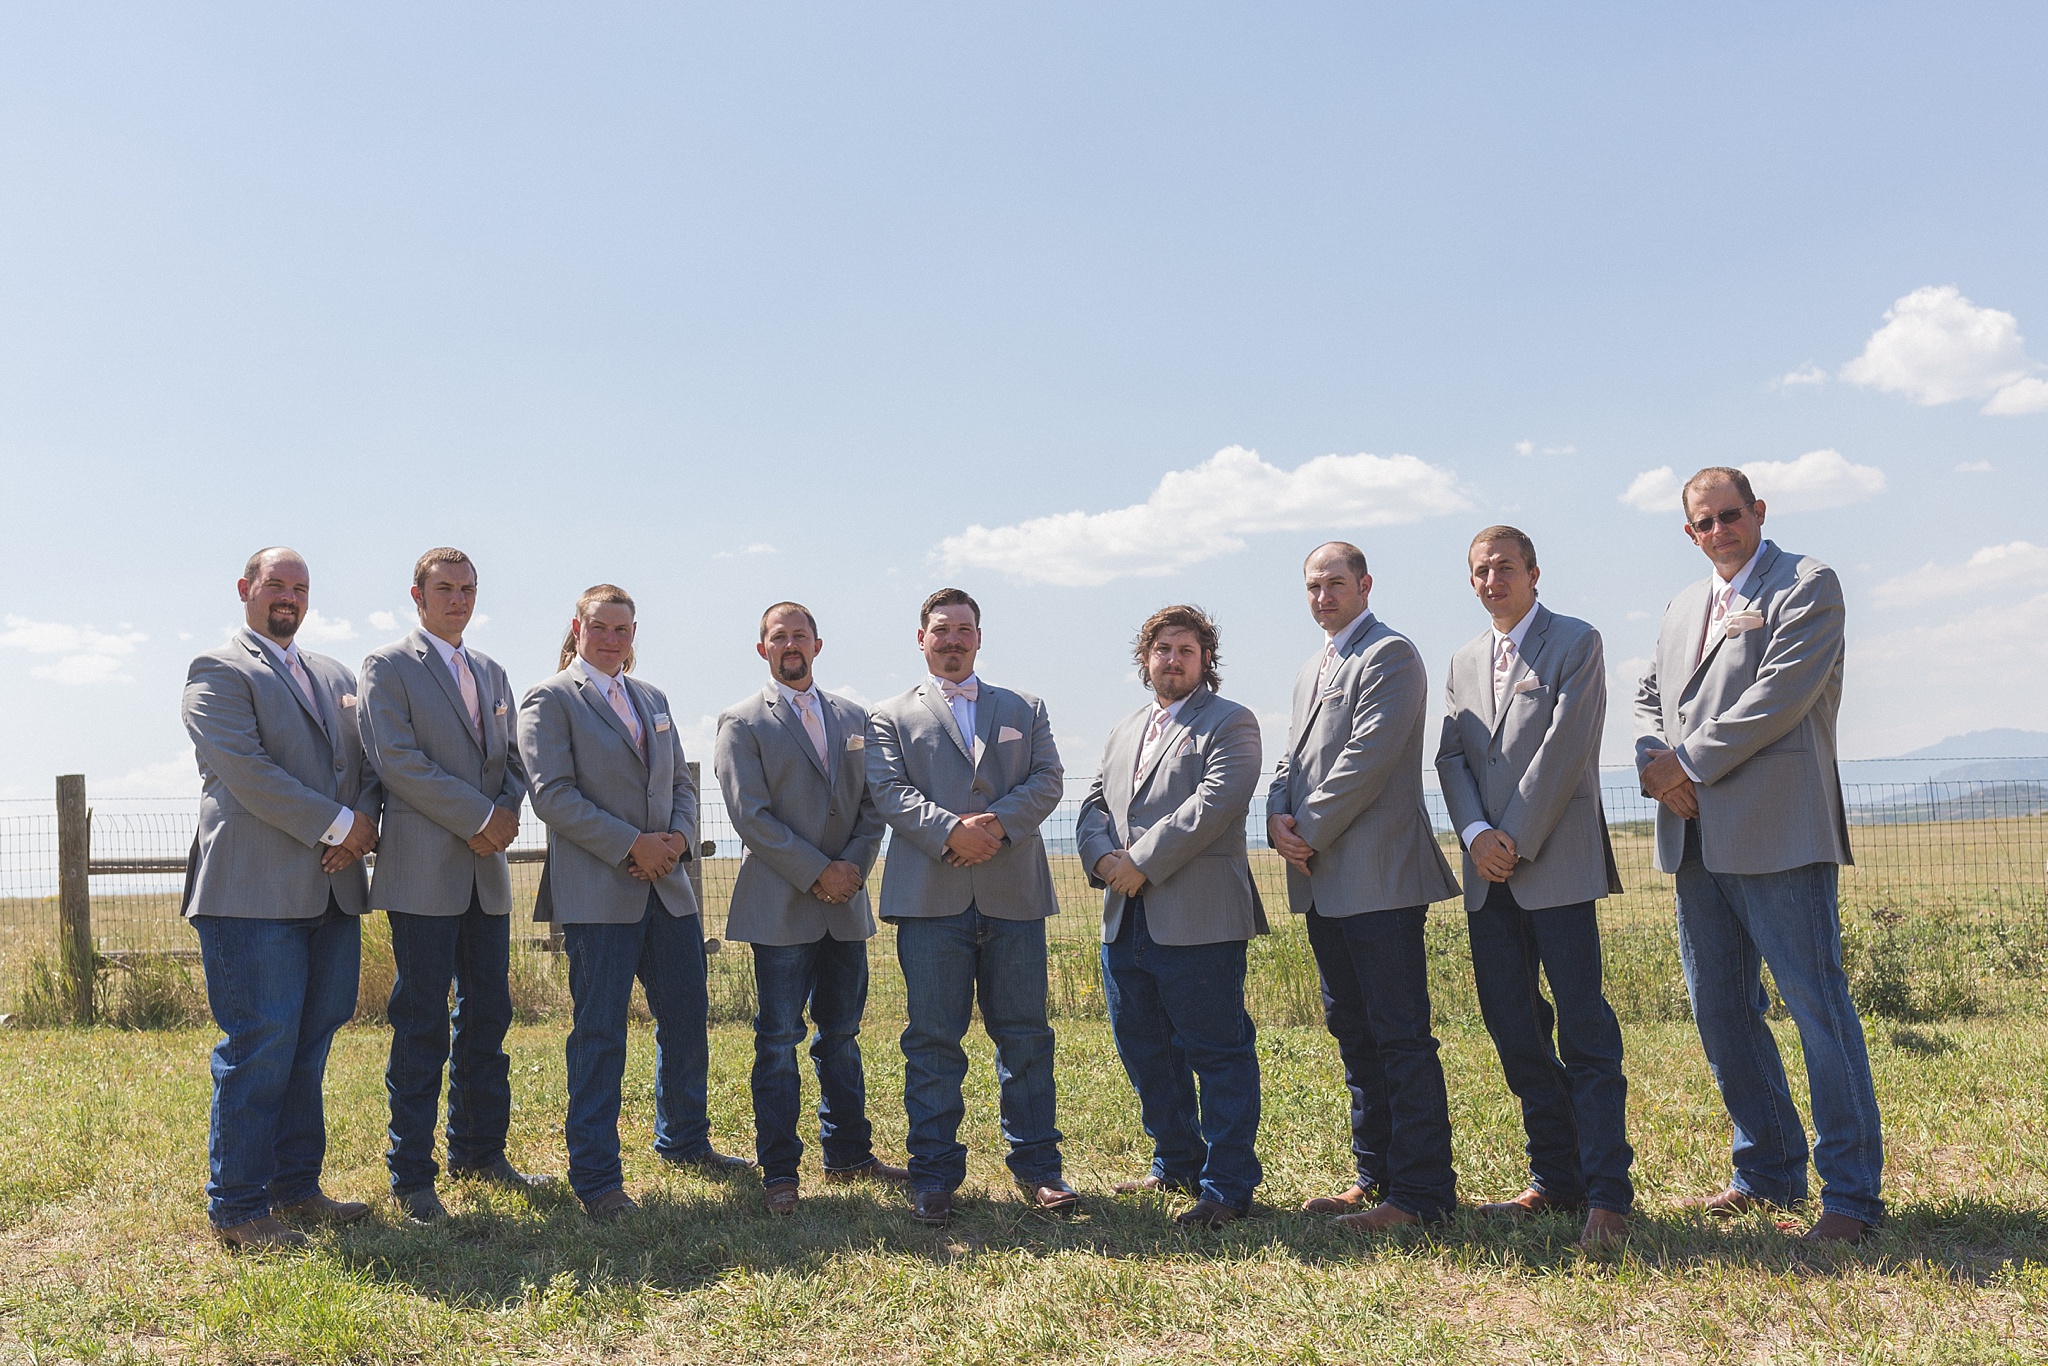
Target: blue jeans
pixel 1574 1109
pixel 1177 1011
pixel 1375 983
pixel 948 962
pixel 666 954
pixel 278 989
pixel 831 977
pixel 472 951
pixel 1729 926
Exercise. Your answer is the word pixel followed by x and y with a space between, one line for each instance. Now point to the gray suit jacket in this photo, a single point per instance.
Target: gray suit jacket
pixel 1531 768
pixel 922 783
pixel 440 782
pixel 1182 820
pixel 1755 720
pixel 795 816
pixel 273 776
pixel 1352 780
pixel 597 795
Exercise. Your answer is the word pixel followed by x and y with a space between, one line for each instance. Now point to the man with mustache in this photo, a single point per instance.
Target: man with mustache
pixel 287 809
pixel 1735 740
pixel 437 722
pixel 792 763
pixel 965 772
pixel 1162 833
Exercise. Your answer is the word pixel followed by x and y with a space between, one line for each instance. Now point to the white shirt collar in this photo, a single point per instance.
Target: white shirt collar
pixel 447 651
pixel 1173 711
pixel 604 682
pixel 1349 633
pixel 790 694
pixel 939 684
pixel 1519 634
pixel 1735 585
pixel 287 653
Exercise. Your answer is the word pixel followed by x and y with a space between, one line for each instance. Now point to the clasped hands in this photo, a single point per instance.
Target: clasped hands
pixel 1665 780
pixel 360 840
pixel 976 839
pixel 1493 854
pixel 1124 877
pixel 654 856
pixel 837 884
pixel 498 833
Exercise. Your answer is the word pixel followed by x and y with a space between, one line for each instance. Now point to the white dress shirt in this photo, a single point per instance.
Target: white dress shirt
pixel 963 713
pixel 605 683
pixel 1725 593
pixel 816 704
pixel 1155 732
pixel 344 819
pixel 1516 634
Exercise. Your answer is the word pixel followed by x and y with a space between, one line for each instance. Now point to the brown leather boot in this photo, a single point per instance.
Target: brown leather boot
pixel 1351 1201
pixel 263 1234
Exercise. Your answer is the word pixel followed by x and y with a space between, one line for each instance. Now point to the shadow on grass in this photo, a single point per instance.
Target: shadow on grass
pixel 690 1233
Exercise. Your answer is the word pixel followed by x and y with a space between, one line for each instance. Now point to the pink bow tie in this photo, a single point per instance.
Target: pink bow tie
pixel 969 690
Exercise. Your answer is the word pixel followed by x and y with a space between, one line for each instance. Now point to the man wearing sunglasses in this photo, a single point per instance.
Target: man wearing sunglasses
pixel 1735 739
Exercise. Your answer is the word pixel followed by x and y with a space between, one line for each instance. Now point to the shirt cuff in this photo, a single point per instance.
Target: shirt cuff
pixel 487 822
pixel 344 821
pixel 1473 832
pixel 1679 754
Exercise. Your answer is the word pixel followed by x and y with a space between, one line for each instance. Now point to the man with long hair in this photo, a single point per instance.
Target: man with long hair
pixel 606 768
pixel 1162 833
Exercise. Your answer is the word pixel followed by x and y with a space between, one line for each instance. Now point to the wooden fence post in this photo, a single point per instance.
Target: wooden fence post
pixel 75 953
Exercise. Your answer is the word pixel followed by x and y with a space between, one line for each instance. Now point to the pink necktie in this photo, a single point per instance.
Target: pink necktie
pixel 1323 669
pixel 1503 666
pixel 814 725
pixel 465 681
pixel 305 683
pixel 1161 718
pixel 617 692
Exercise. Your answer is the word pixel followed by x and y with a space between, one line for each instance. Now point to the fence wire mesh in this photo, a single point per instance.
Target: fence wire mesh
pixel 1951 878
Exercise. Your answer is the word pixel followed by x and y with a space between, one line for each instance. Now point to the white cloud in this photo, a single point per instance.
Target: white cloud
pixel 1531 448
pixel 1196 514
pixel 757 548
pixel 1931 678
pixel 384 621
pixel 1525 448
pixel 1991 567
pixel 88 655
pixel 1974 467
pixel 1937 347
pixel 1816 480
pixel 1804 375
pixel 1653 490
pixel 319 630
pixel 176 776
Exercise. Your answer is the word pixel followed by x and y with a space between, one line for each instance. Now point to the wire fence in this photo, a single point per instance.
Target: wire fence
pixel 1957 852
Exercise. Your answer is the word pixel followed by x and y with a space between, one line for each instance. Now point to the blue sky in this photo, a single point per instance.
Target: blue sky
pixel 734 305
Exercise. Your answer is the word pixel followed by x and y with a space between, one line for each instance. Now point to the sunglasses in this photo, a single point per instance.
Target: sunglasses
pixel 1728 518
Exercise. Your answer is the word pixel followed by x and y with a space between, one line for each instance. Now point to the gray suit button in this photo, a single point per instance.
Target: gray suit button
pixel 337 768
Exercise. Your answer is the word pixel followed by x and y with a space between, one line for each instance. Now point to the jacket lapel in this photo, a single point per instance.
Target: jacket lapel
pixel 944 715
pixel 306 704
pixel 1364 627
pixel 430 659
pixel 1175 730
pixel 603 707
pixel 794 724
pixel 1532 646
pixel 984 726
pixel 1751 588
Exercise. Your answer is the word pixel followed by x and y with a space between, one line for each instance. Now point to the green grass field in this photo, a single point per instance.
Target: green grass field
pixel 104 1254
